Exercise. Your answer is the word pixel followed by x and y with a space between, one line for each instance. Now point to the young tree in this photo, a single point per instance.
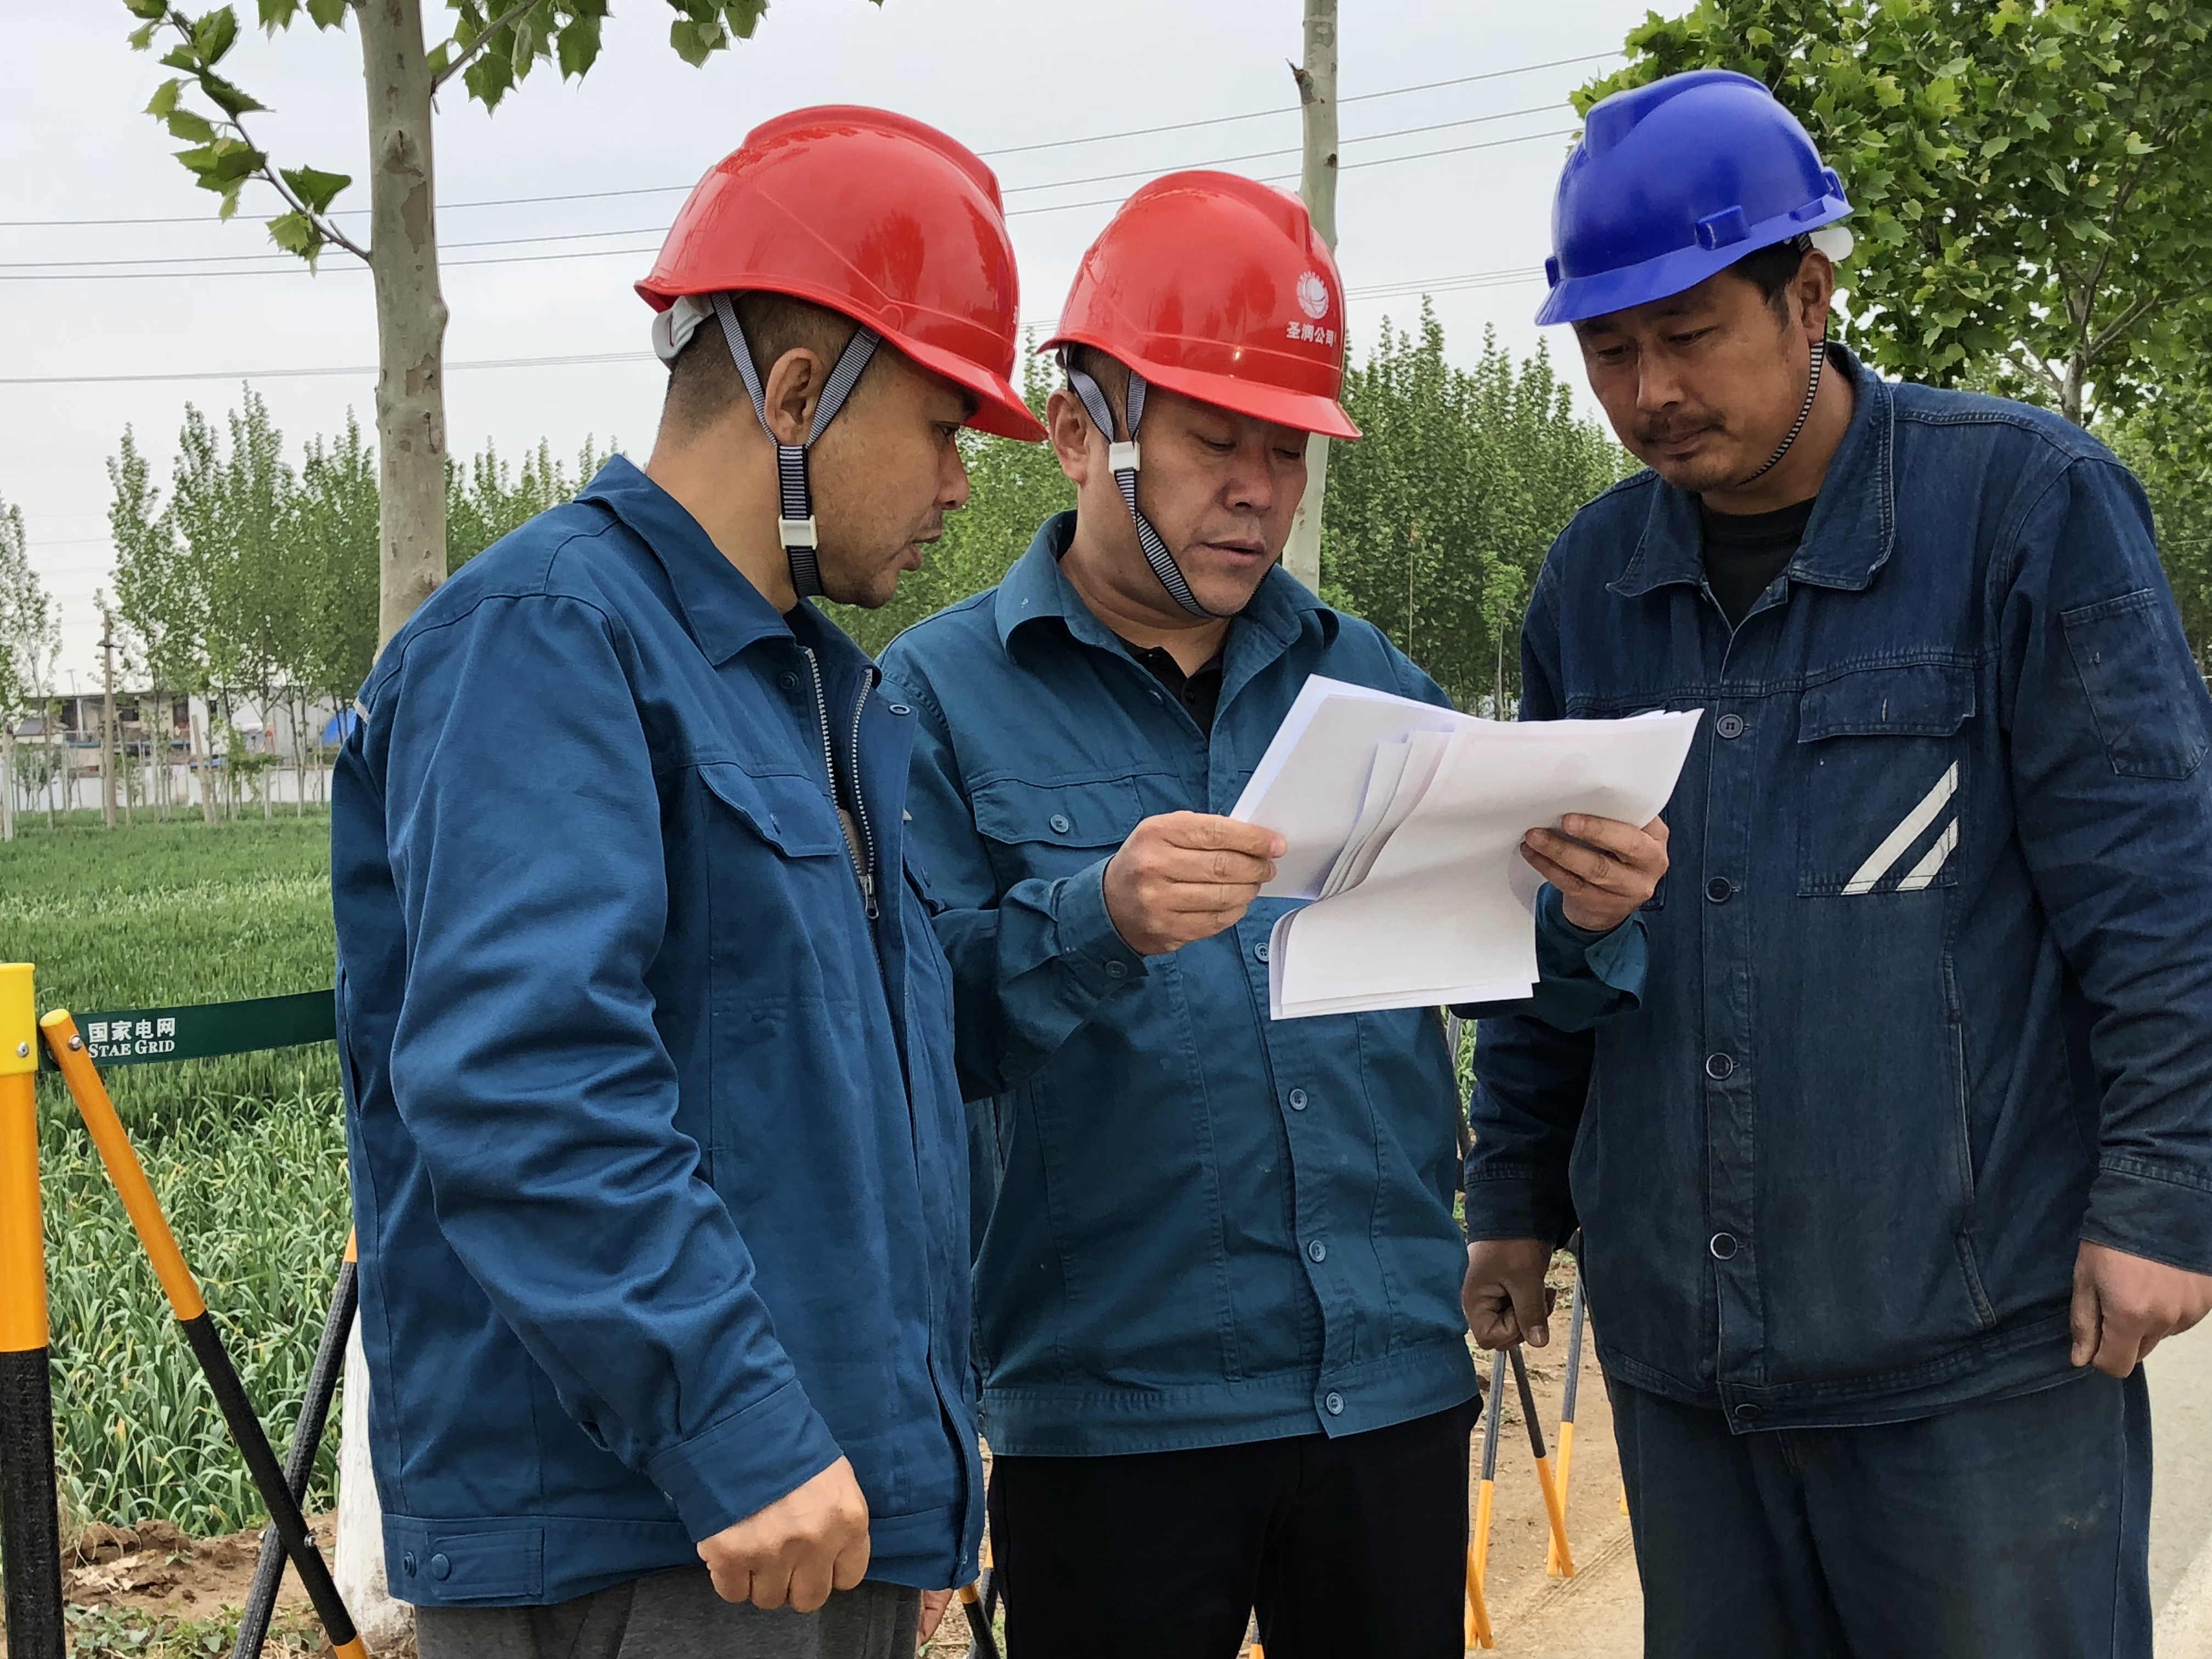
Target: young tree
pixel 487 498
pixel 493 44
pixel 1438 519
pixel 30 640
pixel 2032 179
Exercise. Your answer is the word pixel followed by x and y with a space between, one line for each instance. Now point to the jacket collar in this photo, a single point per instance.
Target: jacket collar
pixel 1852 530
pixel 724 611
pixel 1036 588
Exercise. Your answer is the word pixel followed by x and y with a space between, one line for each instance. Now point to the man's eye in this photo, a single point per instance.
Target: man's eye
pixel 1612 354
pixel 1685 339
pixel 1290 454
pixel 1217 446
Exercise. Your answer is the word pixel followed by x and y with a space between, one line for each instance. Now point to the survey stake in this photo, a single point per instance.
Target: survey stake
pixel 1404 823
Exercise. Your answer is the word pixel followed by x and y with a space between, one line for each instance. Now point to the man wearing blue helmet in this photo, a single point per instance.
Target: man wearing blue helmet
pixel 1905 1160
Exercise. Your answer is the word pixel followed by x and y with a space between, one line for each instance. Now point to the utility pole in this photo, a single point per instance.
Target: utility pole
pixel 1316 81
pixel 108 712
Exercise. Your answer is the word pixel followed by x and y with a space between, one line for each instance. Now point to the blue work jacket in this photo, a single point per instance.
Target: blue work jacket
pixel 1195 1226
pixel 1930 997
pixel 657 1158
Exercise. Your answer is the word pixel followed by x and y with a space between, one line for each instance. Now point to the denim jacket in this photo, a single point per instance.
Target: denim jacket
pixel 1930 992
pixel 1195 1225
pixel 659 1162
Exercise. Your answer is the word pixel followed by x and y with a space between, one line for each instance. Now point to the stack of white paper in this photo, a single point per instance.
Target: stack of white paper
pixel 1404 823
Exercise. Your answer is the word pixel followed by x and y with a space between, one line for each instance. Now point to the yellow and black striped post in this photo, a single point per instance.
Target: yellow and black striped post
pixel 1553 1507
pixel 30 1507
pixel 129 1178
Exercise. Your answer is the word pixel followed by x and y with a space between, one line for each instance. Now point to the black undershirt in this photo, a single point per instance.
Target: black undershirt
pixel 1200 693
pixel 1746 551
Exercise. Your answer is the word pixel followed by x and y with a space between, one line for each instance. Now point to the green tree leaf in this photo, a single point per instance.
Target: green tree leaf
pixel 214 34
pixel 314 187
pixel 230 99
pixel 295 233
pixel 164 99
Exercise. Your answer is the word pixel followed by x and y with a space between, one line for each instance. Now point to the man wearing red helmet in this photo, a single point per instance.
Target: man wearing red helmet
pixel 658 1152
pixel 1224 1362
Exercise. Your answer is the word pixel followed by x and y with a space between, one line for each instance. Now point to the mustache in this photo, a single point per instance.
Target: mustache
pixel 1664 430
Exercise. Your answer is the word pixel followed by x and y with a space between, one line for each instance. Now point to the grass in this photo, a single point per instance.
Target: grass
pixel 105 1632
pixel 247 1153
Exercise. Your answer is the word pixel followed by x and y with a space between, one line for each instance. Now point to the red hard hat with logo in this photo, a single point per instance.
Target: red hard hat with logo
pixel 876 216
pixel 1216 287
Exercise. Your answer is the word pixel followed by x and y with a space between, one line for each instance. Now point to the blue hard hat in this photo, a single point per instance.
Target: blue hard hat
pixel 1673 181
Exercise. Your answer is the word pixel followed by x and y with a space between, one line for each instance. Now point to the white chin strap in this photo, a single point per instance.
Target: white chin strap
pixel 1124 459
pixel 673 330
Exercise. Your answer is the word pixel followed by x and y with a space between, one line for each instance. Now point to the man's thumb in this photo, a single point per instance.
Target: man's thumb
pixel 1529 1310
pixel 2086 1317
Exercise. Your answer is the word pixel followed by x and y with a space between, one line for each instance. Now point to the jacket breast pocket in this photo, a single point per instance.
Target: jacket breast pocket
pixel 1053 829
pixel 1882 769
pixel 790 814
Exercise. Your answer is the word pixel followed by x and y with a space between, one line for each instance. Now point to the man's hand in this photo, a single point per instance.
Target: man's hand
pixel 1186 876
pixel 811 1540
pixel 1505 1298
pixel 933 1604
pixel 2125 1306
pixel 1605 870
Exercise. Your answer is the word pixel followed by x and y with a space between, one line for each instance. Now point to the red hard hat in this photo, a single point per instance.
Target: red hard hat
pixel 1216 287
pixel 877 216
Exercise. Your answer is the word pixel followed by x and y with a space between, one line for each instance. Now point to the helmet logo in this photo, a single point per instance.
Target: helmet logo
pixel 1313 296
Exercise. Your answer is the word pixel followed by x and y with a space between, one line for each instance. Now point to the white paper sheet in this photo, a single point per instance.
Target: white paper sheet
pixel 1405 823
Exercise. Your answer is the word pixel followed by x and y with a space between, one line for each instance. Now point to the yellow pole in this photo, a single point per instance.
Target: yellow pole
pixel 1576 1330
pixel 1553 1508
pixel 30 1519
pixel 1478 1549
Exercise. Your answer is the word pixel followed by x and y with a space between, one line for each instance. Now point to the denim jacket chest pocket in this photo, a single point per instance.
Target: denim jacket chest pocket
pixel 1049 830
pixel 774 857
pixel 1882 757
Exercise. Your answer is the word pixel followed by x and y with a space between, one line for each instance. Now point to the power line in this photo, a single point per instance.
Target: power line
pixel 171 260
pixel 1017 149
pixel 85 273
pixel 1436 285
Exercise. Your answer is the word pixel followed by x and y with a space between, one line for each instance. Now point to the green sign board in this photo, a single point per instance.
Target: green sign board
pixel 138 1037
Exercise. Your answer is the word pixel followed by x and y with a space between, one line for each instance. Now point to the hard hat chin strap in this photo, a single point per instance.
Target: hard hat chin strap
pixel 1812 390
pixel 795 525
pixel 1124 459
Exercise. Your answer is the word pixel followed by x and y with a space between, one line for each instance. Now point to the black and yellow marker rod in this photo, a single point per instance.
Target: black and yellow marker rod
pixel 30 1518
pixel 129 1179
pixel 1554 1511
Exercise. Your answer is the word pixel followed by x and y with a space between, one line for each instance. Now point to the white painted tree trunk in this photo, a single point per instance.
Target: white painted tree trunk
pixel 384 1623
pixel 7 785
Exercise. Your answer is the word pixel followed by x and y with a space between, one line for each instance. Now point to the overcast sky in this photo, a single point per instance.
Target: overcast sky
pixel 553 278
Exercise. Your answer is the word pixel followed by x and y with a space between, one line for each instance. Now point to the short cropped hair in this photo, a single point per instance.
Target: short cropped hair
pixel 703 382
pixel 1773 268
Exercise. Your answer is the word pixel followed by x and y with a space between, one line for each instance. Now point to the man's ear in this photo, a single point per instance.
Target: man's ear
pixel 1813 291
pixel 1070 428
pixel 794 391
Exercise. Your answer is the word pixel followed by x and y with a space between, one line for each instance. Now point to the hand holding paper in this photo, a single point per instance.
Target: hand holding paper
pixel 1405 823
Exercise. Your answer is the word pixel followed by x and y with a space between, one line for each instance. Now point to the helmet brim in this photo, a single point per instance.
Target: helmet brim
pixel 1000 409
pixel 1578 299
pixel 1304 411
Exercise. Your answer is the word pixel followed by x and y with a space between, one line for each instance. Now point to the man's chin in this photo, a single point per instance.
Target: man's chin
pixel 1697 474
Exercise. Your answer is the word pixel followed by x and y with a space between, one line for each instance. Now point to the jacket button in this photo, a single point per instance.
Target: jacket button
pixel 1334 1402
pixel 1719 1067
pixel 1298 1100
pixel 900 709
pixel 1747 1412
pixel 1116 969
pixel 407 1564
pixel 1060 825
pixel 1260 949
pixel 439 1567
pixel 1317 1251
pixel 1722 1245
pixel 788 682
pixel 1729 725
pixel 1719 889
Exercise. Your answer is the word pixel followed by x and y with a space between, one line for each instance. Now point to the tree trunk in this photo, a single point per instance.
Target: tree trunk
pixel 204 757
pixel 1316 81
pixel 410 313
pixel 7 784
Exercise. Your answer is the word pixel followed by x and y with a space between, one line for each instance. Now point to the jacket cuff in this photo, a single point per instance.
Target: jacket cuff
pixel 1617 960
pixel 2145 1212
pixel 1509 1203
pixel 1093 949
pixel 746 1462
